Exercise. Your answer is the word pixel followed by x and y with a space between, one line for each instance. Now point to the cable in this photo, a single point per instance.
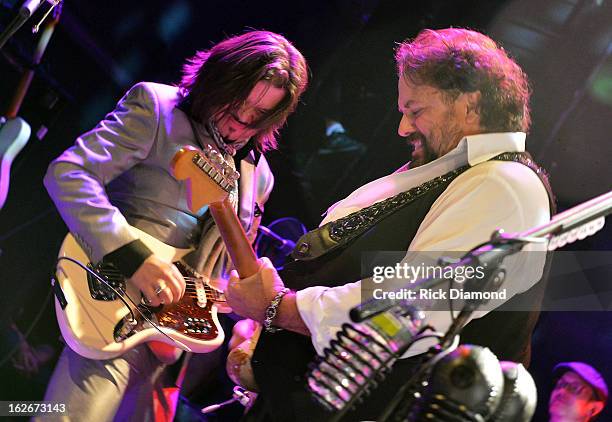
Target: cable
pixel 93 273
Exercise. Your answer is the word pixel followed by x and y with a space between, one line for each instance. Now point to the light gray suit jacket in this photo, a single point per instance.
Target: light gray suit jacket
pixel 119 174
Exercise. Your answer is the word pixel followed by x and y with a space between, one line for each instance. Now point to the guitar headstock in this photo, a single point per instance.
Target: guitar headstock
pixel 209 177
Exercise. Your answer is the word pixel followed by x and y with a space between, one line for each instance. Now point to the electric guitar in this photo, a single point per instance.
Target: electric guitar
pixel 98 323
pixel 207 188
pixel 14 131
pixel 104 319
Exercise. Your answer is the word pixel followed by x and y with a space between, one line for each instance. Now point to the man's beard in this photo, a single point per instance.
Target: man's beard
pixel 446 138
pixel 422 153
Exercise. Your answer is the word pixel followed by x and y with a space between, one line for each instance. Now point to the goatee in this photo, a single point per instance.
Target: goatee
pixel 421 151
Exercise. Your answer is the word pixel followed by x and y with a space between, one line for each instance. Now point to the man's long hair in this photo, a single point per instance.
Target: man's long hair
pixel 221 79
pixel 457 61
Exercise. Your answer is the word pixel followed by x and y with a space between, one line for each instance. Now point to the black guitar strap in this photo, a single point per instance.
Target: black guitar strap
pixel 339 233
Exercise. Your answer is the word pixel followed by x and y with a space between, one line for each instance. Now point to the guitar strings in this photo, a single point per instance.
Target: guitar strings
pixel 114 275
pixel 211 293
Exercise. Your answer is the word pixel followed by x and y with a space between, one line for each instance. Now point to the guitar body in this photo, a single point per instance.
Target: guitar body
pixel 96 324
pixel 14 135
pixel 242 346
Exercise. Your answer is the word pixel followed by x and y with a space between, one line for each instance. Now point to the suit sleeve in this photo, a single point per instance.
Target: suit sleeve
pixel 76 179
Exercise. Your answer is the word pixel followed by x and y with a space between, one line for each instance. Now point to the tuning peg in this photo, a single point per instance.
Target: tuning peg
pixel 233 175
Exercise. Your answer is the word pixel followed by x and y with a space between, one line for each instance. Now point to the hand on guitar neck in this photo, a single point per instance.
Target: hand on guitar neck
pixel 250 297
pixel 209 181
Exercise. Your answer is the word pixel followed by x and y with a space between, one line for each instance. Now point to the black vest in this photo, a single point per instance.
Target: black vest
pixel 281 360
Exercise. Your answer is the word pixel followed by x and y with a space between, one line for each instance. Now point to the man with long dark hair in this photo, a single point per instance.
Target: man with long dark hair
pixel 465 103
pixel 234 97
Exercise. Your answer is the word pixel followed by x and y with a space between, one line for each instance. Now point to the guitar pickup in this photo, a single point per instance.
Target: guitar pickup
pixel 109 273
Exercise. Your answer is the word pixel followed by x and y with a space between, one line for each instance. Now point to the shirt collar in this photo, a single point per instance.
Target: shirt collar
pixel 485 146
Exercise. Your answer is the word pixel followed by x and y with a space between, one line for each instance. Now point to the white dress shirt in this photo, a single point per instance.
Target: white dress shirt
pixel 491 195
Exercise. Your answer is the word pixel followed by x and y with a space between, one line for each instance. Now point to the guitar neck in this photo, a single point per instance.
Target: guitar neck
pixel 209 179
pixel 234 237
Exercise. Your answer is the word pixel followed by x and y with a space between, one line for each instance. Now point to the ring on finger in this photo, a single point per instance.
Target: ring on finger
pixel 160 288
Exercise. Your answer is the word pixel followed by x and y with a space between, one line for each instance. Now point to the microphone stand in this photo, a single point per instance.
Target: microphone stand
pixel 574 224
pixel 489 256
pixel 26 10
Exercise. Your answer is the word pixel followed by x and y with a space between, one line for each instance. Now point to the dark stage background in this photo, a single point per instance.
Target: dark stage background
pixel 101 48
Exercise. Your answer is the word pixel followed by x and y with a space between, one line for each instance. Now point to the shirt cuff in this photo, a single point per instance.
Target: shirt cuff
pixel 309 306
pixel 325 309
pixel 129 257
